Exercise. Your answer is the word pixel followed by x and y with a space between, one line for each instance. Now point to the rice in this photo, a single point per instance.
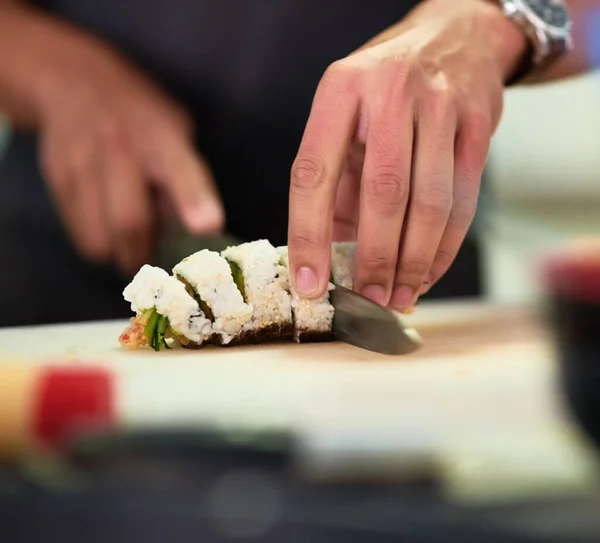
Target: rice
pixel 209 274
pixel 265 286
pixel 313 319
pixel 153 287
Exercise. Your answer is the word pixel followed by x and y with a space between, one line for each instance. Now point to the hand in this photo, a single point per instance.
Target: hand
pixel 109 141
pixel 394 149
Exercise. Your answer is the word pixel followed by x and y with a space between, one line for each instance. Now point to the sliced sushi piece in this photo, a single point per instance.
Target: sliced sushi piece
pixel 261 279
pixel 208 277
pixel 343 257
pixel 313 319
pixel 163 309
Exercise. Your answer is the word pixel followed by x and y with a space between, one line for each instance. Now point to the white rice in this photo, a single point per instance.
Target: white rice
pixel 210 276
pixel 265 283
pixel 309 315
pixel 343 257
pixel 154 287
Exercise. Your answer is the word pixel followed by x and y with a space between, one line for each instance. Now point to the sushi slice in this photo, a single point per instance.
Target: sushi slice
pixel 262 281
pixel 313 319
pixel 208 278
pixel 163 309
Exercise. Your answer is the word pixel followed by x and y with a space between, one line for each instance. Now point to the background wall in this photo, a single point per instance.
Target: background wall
pixel 544 171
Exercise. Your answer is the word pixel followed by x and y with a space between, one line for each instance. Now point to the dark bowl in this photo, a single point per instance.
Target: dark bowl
pixel 572 281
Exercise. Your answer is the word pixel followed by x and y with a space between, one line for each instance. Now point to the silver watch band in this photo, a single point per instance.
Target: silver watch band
pixel 546 44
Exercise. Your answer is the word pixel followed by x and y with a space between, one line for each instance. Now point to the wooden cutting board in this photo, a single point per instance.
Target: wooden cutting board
pixel 481 367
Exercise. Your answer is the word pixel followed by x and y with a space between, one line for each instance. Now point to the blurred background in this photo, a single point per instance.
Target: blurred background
pixel 544 182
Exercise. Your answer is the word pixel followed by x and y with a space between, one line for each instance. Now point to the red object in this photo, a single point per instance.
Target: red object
pixel 70 400
pixel 574 277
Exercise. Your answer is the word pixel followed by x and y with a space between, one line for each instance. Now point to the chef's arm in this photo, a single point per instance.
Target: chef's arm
pixel 35 46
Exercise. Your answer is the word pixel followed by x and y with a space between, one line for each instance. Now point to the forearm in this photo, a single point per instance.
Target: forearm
pixel 37 47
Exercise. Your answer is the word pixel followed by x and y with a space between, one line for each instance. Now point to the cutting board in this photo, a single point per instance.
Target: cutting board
pixel 480 400
pixel 481 367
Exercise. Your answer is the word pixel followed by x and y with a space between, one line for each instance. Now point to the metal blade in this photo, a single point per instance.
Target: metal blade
pixel 362 323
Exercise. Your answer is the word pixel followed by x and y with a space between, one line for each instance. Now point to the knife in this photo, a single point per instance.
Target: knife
pixel 365 324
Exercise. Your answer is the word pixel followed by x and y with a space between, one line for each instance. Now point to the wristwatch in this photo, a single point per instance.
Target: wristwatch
pixel 547 27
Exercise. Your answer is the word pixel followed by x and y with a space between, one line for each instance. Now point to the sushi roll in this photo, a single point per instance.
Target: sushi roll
pixel 208 278
pixel 163 309
pixel 313 319
pixel 343 257
pixel 262 280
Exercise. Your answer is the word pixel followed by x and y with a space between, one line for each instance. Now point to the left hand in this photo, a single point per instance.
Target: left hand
pixel 395 146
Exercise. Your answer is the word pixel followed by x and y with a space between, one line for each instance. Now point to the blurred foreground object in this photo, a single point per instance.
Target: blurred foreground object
pixel 572 280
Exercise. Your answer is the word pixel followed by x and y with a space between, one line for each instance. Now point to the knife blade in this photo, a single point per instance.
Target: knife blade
pixel 365 324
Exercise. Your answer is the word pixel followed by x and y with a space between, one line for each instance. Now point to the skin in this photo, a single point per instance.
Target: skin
pixel 396 143
pixel 113 144
pixel 399 132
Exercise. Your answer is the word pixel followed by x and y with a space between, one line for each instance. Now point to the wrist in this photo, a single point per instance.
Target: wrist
pixel 510 47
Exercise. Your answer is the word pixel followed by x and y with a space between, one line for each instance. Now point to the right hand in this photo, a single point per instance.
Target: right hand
pixel 109 140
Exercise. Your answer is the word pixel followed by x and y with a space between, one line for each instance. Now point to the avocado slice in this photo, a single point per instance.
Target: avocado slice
pixel 238 278
pixel 203 305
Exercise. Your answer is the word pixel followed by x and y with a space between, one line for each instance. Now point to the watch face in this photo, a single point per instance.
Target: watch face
pixel 551 12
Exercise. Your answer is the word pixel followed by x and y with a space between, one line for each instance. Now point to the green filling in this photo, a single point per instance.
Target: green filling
pixel 203 305
pixel 156 328
pixel 238 278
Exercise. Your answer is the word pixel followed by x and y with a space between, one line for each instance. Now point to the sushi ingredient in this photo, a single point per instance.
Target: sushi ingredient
pixel 313 319
pixel 153 294
pixel 210 281
pixel 238 278
pixel 265 289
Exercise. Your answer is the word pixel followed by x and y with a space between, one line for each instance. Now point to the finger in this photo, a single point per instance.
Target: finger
pixel 345 216
pixel 175 164
pixel 314 179
pixel 77 192
pixel 384 195
pixel 430 199
pixel 128 207
pixel 471 151
pixel 60 183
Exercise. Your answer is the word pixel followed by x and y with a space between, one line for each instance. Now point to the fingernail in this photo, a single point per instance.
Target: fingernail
pixel 376 293
pixel 306 281
pixel 205 218
pixel 403 297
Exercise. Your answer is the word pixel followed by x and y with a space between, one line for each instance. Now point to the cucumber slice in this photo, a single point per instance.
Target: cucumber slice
pixel 203 305
pixel 238 278
pixel 151 327
pixel 155 329
pixel 161 329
